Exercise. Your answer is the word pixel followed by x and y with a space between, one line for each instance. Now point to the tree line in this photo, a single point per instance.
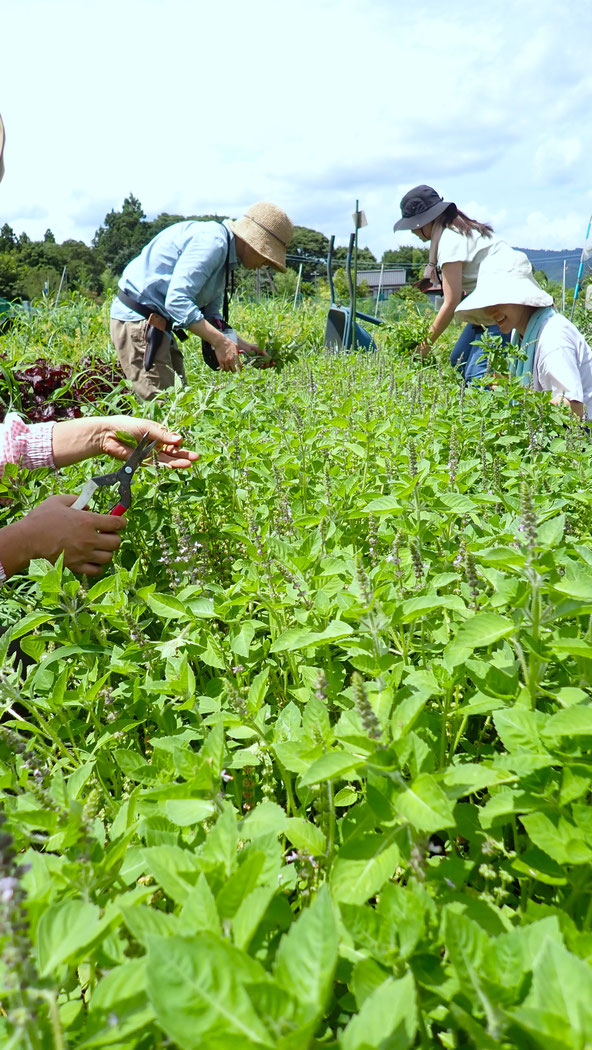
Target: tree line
pixel 28 268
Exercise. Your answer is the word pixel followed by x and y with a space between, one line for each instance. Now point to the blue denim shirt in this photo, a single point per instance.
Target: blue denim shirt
pixel 181 272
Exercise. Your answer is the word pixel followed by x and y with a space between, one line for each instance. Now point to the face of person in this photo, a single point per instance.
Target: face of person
pixel 424 232
pixel 510 315
pixel 251 259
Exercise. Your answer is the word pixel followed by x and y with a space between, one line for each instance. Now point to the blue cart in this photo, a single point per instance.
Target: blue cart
pixel 339 330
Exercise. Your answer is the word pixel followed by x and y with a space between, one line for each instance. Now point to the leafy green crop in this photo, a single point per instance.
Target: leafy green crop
pixel 310 765
pixel 411 328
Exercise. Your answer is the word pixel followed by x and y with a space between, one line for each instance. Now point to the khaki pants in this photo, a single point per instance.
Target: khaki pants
pixel 129 340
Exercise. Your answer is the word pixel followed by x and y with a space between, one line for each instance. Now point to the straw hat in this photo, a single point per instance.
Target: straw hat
pixel 512 284
pixel 420 206
pixel 268 230
pixel 2 141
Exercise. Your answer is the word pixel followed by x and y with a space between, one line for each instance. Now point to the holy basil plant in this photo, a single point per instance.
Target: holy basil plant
pixel 309 766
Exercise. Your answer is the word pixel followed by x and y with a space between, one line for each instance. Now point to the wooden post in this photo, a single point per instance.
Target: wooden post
pixel 297 286
pixel 61 286
pixel 355 288
pixel 379 287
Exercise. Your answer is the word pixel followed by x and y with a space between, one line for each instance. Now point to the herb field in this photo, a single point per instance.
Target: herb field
pixel 310 765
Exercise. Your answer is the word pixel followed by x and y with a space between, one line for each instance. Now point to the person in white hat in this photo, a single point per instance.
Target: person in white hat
pixel 558 358
pixel 458 247
pixel 181 282
pixel 88 541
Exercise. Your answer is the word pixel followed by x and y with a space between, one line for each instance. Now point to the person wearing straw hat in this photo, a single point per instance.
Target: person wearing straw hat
pixel 557 357
pixel 181 282
pixel 87 540
pixel 458 247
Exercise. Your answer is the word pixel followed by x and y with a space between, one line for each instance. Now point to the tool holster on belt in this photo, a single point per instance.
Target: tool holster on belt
pixel 157 326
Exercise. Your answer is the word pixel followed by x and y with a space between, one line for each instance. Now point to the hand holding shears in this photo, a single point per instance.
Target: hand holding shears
pixel 122 478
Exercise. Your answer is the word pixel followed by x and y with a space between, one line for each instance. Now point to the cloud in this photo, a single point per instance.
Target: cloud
pixel 92 212
pixel 341 99
pixel 373 171
pixel 541 230
pixel 557 159
pixel 24 213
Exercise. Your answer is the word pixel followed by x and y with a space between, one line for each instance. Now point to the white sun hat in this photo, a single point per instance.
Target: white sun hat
pixel 496 284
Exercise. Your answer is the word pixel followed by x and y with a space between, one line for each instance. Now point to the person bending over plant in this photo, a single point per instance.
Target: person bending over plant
pixel 180 283
pixel 555 356
pixel 460 248
pixel 88 540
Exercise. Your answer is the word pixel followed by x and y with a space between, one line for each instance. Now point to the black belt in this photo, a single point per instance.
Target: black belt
pixel 158 325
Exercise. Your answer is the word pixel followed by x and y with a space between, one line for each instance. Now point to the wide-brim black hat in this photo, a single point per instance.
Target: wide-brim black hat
pixel 420 206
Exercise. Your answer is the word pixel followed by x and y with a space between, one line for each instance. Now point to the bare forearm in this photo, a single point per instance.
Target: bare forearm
pixel 452 291
pixel 213 335
pixel 226 350
pixel 76 439
pixel 577 407
pixel 207 331
pixel 15 547
pixel 442 319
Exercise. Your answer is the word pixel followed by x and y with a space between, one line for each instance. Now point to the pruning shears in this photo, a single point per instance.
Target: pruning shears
pixel 122 477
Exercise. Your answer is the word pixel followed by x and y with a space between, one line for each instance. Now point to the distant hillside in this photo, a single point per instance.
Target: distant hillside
pixel 552 263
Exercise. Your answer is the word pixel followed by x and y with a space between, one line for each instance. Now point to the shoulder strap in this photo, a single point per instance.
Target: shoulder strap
pixel 432 271
pixel 228 277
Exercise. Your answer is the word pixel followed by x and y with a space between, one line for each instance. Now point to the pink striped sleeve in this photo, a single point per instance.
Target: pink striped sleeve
pixel 25 443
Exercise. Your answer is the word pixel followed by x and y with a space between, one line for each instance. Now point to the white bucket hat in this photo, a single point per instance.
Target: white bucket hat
pixel 512 284
pixel 268 230
pixel 2 141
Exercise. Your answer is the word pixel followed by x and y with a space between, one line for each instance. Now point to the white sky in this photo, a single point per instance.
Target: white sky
pixel 201 107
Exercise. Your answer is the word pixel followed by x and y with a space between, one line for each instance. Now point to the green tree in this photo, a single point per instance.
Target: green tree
pixel 413 259
pixel 122 235
pixel 398 256
pixel 161 222
pixel 40 264
pixel 340 284
pixel 48 237
pixel 11 276
pixel 36 253
pixel 166 219
pixel 35 278
pixel 554 288
pixel 8 240
pixel 83 267
pixel 285 283
pixel 310 248
pixel 364 255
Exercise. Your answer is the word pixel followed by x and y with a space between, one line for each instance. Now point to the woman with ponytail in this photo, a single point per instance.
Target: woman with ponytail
pixel 459 248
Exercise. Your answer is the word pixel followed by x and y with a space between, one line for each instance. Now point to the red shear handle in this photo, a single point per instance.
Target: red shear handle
pixel 118 511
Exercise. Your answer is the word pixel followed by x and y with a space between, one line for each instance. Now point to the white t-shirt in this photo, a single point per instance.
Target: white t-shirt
pixel 475 251
pixel 563 362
